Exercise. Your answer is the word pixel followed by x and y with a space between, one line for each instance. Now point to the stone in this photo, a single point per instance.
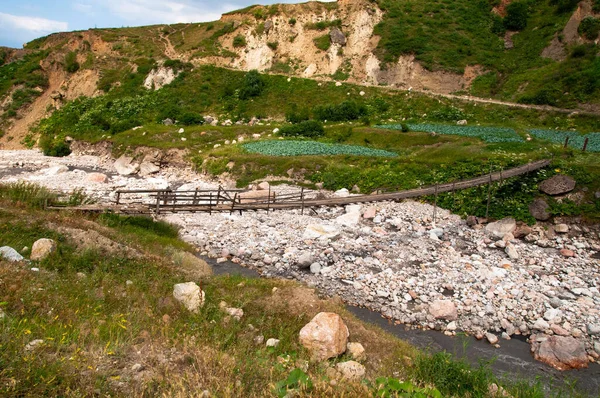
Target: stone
pixel 541 325
pixel 125 166
pixel 190 295
pixel 438 232
pixel 263 186
pixel 567 253
pixel 168 122
pixel 559 330
pixel 561 228
pixel 259 340
pixel 557 185
pixel 451 326
pixel 539 209
pixel 511 251
pixel 341 193
pixel 491 338
pixel 138 367
pixel 99 178
pixel 356 351
pixel 305 260
pixel 181 131
pixel 32 345
pixel 315 268
pixel 272 343
pixel 593 329
pixel 351 371
pixel 10 254
pixel 500 228
pixel 370 213
pixel 236 313
pixel 552 314
pixel 560 352
pixel 462 122
pixel 325 336
pixel 351 217
pixel 337 37
pixel 443 309
pixel 42 248
pixel 471 221
pixel 55 170
pixel 147 168
pixel 316 231
pixel 268 26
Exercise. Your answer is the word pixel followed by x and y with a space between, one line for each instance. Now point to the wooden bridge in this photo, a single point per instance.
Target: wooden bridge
pixel 169 201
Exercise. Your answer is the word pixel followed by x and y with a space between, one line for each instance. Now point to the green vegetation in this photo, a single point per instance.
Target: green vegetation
pixel 322 42
pixel 304 128
pixel 487 134
pixel 300 148
pixel 589 28
pixel 239 41
pixel 322 25
pixel 576 140
pixel 71 64
pixel 516 15
pixel 347 110
pixel 273 45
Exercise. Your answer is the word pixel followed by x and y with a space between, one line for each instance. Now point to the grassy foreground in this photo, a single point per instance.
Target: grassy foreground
pixel 109 326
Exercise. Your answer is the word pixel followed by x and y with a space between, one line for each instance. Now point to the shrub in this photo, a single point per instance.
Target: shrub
pixel 306 128
pixel 176 64
pixel 322 42
pixel 273 45
pixel 190 119
pixel 292 21
pixel 347 110
pixel 497 27
pixel 516 16
pixel 252 86
pixel 295 116
pixel 239 41
pixel 589 28
pixel 55 148
pixel 71 64
pixel 564 6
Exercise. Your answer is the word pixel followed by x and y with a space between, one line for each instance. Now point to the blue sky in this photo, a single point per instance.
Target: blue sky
pixel 24 20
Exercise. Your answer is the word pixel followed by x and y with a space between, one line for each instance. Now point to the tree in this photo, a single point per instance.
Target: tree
pixel 71 64
pixel 516 16
pixel 252 86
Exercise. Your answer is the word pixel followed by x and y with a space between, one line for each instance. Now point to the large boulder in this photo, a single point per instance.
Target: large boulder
pixel 147 168
pixel 557 185
pixel 10 254
pixel 560 352
pixel 500 228
pixel 42 248
pixel 190 295
pixel 305 260
pixel 539 209
pixel 125 166
pixel 337 37
pixel 325 336
pixel 443 309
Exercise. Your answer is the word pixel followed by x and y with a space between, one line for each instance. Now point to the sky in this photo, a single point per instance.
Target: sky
pixel 24 20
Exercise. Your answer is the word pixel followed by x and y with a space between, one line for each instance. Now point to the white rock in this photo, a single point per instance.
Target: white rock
pixel 10 254
pixel 351 370
pixel 272 343
pixel 190 295
pixel 316 231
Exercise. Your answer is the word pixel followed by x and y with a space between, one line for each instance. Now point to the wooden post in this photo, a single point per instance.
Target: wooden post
pixel 487 209
pixel 453 195
pixel 269 199
pixel 585 143
pixel 118 197
pixel 210 204
pixel 233 203
pixel 566 141
pixel 435 203
pixel 158 203
pixel 174 197
pixel 302 200
pixel 195 201
pixel 218 195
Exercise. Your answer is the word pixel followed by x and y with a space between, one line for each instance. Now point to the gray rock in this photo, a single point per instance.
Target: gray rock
pixel 557 185
pixel 439 232
pixel 593 329
pixel 561 228
pixel 511 251
pixel 272 343
pixel 337 37
pixel 555 302
pixel 125 166
pixel 147 168
pixel 268 26
pixel 541 325
pixel 351 370
pixel 10 254
pixel 168 122
pixel 500 228
pixel 491 338
pixel 539 209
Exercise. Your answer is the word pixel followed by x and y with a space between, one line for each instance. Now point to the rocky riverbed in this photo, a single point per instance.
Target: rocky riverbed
pixel 493 280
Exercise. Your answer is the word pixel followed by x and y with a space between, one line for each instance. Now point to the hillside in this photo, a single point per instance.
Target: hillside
pixel 527 52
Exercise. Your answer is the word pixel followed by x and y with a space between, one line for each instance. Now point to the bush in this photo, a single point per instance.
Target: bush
pixel 252 86
pixel 322 42
pixel 71 64
pixel 516 16
pixel 307 128
pixel 273 45
pixel 589 28
pixel 347 110
pixel 292 21
pixel 176 64
pixel 239 41
pixel 564 6
pixel 55 148
pixel 190 119
pixel 295 116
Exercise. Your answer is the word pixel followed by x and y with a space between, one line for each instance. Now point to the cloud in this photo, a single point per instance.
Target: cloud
pixel 160 11
pixel 82 7
pixel 31 24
